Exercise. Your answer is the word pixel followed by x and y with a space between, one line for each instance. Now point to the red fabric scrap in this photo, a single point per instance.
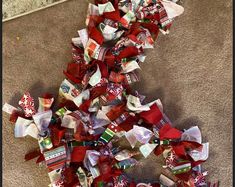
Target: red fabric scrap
pixel 129 51
pixel 70 105
pixel 94 21
pixel 152 116
pixel 85 106
pixel 96 35
pixel 115 15
pixel 97 91
pixel 57 134
pixel 116 111
pixel 129 123
pixel 15 114
pixel 168 132
pixel 78 153
pixel 32 155
pixel 40 158
pixel 69 176
pixel 75 72
pixel 103 69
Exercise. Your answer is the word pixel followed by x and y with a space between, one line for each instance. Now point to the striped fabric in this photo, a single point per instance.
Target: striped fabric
pixel 101 53
pixel 95 172
pixel 109 133
pixel 73 144
pixel 209 184
pixel 176 166
pixel 181 168
pixel 55 158
pixel 162 122
pixel 106 136
pixel 61 111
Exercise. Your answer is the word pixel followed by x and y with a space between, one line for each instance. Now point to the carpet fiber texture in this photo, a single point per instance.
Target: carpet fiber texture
pixel 18 7
pixel 190 70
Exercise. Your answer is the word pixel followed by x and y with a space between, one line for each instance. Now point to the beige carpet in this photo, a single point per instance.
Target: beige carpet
pixel 18 7
pixel 190 70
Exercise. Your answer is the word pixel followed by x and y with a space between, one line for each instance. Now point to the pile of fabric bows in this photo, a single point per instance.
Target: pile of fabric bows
pixel 96 107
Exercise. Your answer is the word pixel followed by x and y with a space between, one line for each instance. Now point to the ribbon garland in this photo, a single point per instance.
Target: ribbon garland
pixel 97 107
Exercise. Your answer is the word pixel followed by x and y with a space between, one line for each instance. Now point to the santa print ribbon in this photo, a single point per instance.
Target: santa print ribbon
pixel 97 107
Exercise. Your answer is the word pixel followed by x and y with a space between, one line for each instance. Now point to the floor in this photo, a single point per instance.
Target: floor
pixel 190 70
pixel 13 8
